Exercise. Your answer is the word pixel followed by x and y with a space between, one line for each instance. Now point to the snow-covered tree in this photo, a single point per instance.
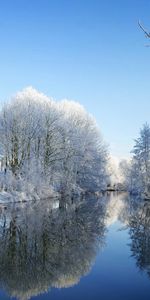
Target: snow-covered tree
pixel 50 145
pixel 138 172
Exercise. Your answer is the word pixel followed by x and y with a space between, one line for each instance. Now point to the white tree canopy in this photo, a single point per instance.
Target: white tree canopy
pixel 48 145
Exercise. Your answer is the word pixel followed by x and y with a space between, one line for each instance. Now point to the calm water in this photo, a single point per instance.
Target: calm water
pixel 93 249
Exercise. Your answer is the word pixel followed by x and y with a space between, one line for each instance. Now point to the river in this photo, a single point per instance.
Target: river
pixel 90 249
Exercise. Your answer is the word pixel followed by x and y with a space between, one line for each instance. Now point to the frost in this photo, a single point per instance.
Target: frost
pixel 49 147
pixel 137 171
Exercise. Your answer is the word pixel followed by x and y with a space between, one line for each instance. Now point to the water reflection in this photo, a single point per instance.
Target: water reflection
pixel 134 215
pixel 54 243
pixel 139 230
pixel 43 246
pixel 116 208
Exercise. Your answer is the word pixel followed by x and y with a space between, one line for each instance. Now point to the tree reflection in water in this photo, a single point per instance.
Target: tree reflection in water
pixel 134 215
pixel 139 230
pixel 43 247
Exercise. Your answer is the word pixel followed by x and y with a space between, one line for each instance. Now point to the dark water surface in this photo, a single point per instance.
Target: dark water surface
pixel 93 249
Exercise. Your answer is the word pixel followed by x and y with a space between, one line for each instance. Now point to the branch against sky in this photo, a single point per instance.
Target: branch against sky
pixel 147 34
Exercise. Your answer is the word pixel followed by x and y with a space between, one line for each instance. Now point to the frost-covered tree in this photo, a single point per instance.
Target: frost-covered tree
pixel 85 148
pixel 138 172
pixel 47 145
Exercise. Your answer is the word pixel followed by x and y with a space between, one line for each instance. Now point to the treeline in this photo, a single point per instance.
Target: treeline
pixel 47 145
pixel 137 171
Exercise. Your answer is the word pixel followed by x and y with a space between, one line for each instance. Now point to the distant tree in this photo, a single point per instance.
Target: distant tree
pixel 138 173
pixel 141 153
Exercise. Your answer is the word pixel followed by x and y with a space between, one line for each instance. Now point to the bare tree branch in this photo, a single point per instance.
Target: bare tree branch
pixel 147 34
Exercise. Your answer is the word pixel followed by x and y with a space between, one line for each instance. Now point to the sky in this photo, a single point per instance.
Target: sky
pixel 90 51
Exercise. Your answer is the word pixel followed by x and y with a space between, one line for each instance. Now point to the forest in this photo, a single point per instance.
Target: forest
pixel 50 148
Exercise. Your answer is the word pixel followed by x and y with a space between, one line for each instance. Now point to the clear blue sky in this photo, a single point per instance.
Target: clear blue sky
pixel 89 51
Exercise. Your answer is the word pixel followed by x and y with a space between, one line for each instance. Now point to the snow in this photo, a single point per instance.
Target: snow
pixel 49 147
